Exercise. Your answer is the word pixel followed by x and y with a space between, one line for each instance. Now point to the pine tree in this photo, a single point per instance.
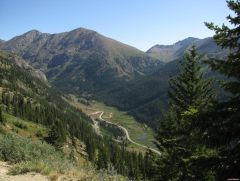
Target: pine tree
pixel 90 148
pixel 1 116
pixel 223 127
pixel 57 135
pixel 150 165
pixel 178 136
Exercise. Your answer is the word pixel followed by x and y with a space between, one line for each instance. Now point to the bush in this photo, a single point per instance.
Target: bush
pixel 15 149
pixel 2 119
pixel 20 125
pixel 39 134
pixel 31 155
pixel 40 157
pixel 30 166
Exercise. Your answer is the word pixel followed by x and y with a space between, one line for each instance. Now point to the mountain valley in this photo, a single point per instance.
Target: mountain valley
pixel 89 65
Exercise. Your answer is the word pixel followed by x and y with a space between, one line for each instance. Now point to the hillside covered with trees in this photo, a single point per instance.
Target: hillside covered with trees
pixel 26 97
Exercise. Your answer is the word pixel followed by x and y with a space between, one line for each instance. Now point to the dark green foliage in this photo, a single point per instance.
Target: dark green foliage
pixel 223 122
pixel 179 138
pixel 112 131
pixel 57 135
pixel 150 167
pixel 20 125
pixel 188 90
pixel 1 116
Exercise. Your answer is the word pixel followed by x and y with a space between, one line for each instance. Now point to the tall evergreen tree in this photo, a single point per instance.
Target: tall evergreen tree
pixel 1 116
pixel 57 135
pixel 223 127
pixel 178 136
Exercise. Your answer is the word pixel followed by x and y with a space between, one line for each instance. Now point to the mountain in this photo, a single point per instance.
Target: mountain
pixel 167 53
pixel 85 63
pixel 81 60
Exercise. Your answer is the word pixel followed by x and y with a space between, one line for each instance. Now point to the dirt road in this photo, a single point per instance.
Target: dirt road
pixel 124 130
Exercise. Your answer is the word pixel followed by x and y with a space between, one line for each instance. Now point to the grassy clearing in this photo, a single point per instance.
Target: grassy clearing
pixel 20 145
pixel 138 132
pixel 34 155
pixel 30 166
pixel 25 128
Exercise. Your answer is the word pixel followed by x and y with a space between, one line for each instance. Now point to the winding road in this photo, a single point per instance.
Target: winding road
pixel 123 129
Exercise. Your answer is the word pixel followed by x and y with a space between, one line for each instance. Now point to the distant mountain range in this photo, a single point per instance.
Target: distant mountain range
pixel 84 62
pixel 167 53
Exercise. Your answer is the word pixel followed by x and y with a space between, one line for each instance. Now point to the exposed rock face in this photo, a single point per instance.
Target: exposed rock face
pixel 23 64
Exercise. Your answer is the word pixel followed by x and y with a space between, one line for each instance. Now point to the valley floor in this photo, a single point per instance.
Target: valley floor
pixel 125 132
pixel 137 132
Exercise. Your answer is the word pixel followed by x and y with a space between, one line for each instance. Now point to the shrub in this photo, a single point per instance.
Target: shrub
pixel 39 134
pixel 15 149
pixel 31 155
pixel 20 125
pixel 30 166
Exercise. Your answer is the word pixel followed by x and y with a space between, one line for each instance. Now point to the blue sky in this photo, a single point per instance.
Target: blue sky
pixel 140 23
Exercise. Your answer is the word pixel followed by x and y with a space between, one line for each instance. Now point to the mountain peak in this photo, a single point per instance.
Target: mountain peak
pixel 32 32
pixel 167 53
pixel 81 29
pixel 82 33
pixel 186 41
pixel 30 35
